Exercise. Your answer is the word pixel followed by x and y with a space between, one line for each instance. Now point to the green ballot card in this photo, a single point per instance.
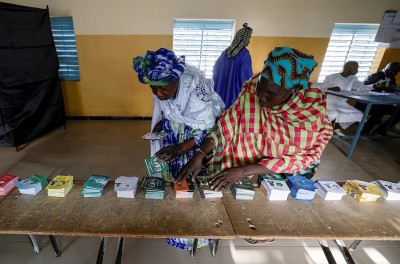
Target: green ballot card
pixel 155 165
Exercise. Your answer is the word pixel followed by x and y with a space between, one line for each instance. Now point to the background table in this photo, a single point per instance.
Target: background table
pixel 369 100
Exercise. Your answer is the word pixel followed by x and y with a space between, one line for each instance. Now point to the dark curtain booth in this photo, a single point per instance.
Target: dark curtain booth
pixel 31 100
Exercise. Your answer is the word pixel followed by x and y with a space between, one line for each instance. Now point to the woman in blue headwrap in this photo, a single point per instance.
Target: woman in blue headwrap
pixel 185 105
pixel 185 109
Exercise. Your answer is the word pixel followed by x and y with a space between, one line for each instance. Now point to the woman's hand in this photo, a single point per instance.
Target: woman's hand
pixel 169 153
pixel 192 168
pixel 227 178
pixel 380 85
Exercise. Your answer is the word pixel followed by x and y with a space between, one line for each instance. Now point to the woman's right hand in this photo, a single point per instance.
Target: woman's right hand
pixel 192 168
pixel 168 154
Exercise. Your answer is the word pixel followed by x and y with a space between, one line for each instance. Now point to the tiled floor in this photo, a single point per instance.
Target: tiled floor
pixel 115 148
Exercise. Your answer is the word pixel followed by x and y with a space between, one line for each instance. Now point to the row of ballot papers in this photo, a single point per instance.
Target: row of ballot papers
pixel 301 188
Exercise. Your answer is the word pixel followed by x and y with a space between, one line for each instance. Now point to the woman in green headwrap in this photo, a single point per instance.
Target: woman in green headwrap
pixel 278 125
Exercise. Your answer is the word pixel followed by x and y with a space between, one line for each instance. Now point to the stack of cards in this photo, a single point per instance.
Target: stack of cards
pixel 330 190
pixel 362 191
pixel 185 190
pixel 301 188
pixel 126 186
pixel 32 185
pixel 390 190
pixel 7 182
pixel 273 176
pixel 94 186
pixel 154 136
pixel 155 166
pixel 277 190
pixel 60 185
pixel 243 190
pixel 205 189
pixel 154 187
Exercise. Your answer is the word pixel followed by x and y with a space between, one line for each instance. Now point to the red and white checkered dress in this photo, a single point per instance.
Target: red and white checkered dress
pixel 285 139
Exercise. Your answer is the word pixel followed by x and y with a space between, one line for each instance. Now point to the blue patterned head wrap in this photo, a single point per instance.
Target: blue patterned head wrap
pixel 159 67
pixel 289 68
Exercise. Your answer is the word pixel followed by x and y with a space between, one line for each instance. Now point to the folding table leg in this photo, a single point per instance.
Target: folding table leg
pixel 214 247
pixel 345 252
pixel 328 254
pixel 102 248
pixel 359 129
pixel 194 249
pixel 34 243
pixel 55 247
pixel 118 260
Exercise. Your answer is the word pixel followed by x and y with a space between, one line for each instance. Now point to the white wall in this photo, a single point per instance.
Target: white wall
pixel 292 18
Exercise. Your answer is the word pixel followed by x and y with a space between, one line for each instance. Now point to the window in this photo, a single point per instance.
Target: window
pixel 202 41
pixel 64 38
pixel 350 42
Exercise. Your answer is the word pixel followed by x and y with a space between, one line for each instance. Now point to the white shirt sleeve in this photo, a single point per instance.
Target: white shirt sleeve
pixel 328 83
pixel 360 86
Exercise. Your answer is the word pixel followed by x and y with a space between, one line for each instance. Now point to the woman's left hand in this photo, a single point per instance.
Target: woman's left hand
pixel 227 178
pixel 169 153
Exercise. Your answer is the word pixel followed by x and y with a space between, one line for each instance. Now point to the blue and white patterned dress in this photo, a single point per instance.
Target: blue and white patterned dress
pixel 173 138
pixel 190 114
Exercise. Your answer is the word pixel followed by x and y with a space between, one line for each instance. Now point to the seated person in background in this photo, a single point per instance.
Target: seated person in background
pixel 185 109
pixel 382 81
pixel 338 108
pixel 233 67
pixel 278 125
